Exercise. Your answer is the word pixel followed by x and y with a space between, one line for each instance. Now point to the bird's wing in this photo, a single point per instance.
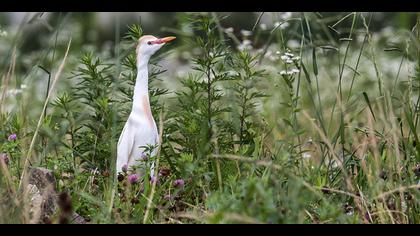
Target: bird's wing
pixel 125 147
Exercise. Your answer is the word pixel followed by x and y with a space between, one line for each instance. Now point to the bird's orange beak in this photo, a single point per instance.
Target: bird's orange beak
pixel 166 39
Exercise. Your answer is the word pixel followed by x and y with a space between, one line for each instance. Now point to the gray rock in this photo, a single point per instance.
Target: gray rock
pixel 77 219
pixel 43 195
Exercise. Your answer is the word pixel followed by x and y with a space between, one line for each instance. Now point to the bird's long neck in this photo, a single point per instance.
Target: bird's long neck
pixel 141 103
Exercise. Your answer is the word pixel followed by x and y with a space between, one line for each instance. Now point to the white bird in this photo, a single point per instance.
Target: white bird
pixel 140 128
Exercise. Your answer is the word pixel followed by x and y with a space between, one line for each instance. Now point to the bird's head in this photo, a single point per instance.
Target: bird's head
pixel 149 45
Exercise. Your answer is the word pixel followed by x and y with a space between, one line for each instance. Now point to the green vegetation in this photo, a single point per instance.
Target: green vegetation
pixel 313 120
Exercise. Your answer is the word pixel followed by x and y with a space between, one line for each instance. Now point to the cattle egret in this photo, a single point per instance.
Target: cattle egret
pixel 140 129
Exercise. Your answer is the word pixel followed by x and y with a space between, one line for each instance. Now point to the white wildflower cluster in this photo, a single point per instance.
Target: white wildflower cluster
pixel 246 44
pixel 289 58
pixel 289 72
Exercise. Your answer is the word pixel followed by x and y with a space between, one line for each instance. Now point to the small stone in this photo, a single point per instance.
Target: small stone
pixel 42 193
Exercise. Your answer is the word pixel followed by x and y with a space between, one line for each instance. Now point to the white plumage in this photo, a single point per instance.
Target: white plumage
pixel 140 128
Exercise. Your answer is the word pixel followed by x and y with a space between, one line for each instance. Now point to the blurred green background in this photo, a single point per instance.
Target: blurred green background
pixel 100 28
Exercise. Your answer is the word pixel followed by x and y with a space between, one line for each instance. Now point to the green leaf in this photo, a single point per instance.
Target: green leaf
pixel 368 103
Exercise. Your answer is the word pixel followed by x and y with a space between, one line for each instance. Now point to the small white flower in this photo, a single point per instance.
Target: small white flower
pixel 263 26
pixel 229 30
pixel 289 72
pixel 289 54
pixel 295 71
pixel 284 58
pixel 246 33
pixel 278 52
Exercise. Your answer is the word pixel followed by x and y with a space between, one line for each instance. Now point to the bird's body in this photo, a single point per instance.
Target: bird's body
pixel 140 130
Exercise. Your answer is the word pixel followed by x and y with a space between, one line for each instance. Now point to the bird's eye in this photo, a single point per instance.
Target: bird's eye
pixel 149 43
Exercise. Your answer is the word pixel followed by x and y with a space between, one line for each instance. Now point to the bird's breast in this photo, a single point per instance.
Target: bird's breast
pixel 142 123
